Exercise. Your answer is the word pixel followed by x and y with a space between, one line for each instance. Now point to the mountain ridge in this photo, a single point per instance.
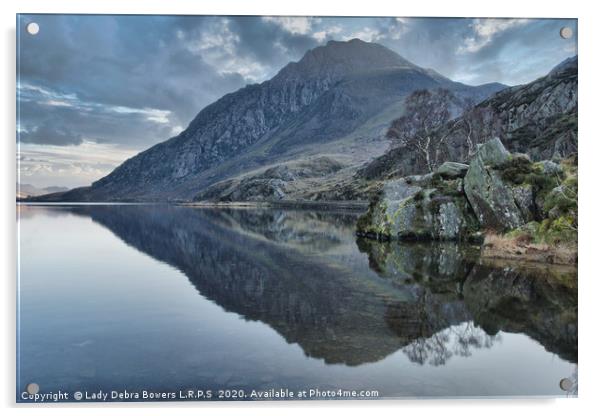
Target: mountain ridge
pixel 332 91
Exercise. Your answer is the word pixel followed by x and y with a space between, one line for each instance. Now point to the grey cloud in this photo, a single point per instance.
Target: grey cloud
pixel 145 62
pixel 129 61
pixel 49 124
pixel 51 133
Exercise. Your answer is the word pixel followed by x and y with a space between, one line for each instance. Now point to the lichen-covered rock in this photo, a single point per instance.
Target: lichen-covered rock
pixel 419 208
pixel 450 221
pixel 492 153
pixel 524 197
pixel 397 191
pixel 492 198
pixel 452 170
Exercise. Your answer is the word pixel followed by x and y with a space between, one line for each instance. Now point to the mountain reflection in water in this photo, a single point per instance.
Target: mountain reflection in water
pixel 348 301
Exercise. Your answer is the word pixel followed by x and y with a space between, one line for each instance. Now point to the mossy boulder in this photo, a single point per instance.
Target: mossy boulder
pixel 419 208
pixel 490 196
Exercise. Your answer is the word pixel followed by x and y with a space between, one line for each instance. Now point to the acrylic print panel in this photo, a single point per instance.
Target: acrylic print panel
pixel 296 208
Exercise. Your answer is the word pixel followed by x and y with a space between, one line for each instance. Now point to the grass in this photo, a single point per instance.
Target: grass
pixel 521 247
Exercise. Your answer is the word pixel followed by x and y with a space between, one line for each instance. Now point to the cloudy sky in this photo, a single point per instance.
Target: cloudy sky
pixel 95 90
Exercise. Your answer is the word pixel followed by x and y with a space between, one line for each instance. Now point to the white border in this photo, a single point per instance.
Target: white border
pixel 590 126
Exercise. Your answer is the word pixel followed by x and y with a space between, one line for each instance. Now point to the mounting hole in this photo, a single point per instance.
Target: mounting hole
pixel 32 388
pixel 33 28
pixel 566 384
pixel 566 32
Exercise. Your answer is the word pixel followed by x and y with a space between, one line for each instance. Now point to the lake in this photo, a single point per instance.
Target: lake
pixel 164 299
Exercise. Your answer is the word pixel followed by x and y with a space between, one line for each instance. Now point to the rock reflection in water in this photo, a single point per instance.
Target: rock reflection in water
pixel 537 300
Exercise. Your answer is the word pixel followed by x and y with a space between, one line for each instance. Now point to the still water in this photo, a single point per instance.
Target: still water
pixel 169 298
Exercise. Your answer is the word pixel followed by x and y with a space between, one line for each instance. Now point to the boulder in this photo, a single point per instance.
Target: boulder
pixel 452 170
pixel 419 208
pixel 524 197
pixel 492 153
pixel 491 198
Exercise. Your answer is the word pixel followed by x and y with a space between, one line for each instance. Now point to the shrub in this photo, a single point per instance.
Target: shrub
pixel 515 169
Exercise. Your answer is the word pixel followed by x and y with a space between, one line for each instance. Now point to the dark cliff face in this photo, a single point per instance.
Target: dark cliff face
pixel 538 118
pixel 328 94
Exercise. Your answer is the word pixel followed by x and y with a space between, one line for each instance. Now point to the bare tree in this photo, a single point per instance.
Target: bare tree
pixel 424 112
pixel 428 127
pixel 474 120
pixel 479 124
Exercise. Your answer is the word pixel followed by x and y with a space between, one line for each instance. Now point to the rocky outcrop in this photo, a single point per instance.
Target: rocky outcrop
pixel 490 197
pixel 426 207
pixel 498 192
pixel 538 119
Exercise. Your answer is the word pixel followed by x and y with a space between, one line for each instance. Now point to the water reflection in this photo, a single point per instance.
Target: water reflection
pixel 336 313
pixel 346 301
pixel 533 299
pixel 331 311
pixel 458 340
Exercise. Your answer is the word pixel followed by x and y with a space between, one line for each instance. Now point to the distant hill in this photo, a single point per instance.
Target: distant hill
pixel 25 190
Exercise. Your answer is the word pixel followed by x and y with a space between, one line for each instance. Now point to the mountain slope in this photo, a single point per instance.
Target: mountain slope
pixel 538 118
pixel 310 108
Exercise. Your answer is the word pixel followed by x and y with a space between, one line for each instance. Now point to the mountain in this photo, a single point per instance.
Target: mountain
pixel 538 118
pixel 25 190
pixel 330 108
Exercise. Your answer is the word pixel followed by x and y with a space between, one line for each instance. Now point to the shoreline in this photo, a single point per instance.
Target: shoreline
pixel 352 206
pixel 492 248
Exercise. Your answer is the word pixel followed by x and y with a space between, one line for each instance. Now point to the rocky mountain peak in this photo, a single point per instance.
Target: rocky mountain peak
pixel 340 58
